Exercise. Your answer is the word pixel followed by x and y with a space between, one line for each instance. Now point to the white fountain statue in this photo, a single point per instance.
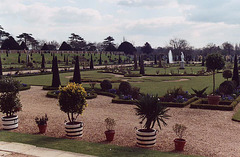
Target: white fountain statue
pixel 170 57
pixel 182 61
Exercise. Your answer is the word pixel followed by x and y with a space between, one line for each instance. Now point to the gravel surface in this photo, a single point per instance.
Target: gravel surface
pixel 209 133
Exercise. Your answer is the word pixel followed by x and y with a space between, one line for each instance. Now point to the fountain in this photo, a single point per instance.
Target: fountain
pixel 170 57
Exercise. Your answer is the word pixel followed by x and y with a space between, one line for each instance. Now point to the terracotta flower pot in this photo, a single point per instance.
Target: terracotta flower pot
pixel 179 144
pixel 214 99
pixel 110 134
pixel 42 128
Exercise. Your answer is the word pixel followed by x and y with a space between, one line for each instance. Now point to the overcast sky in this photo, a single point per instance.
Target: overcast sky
pixel 155 21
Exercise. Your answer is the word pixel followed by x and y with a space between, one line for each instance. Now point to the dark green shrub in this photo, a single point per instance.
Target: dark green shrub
pixel 106 85
pixel 125 88
pixel 227 87
pixel 135 92
pixel 227 74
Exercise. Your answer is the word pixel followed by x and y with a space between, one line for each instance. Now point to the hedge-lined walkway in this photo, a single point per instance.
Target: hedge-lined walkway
pixel 209 133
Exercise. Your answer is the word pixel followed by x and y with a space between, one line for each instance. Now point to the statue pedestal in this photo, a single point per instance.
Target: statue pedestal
pixel 182 65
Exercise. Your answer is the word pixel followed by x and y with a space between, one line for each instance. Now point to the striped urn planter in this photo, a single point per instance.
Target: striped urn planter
pixel 10 123
pixel 146 138
pixel 74 129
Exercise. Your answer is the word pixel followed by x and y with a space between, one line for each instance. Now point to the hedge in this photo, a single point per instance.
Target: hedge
pixel 223 105
pixel 52 94
pixel 175 104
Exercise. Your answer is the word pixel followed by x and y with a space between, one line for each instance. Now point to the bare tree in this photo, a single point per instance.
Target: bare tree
pixel 179 45
pixel 228 47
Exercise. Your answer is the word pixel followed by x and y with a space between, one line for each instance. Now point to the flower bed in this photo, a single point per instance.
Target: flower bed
pixel 179 104
pixel 54 94
pixel 224 105
pixel 24 86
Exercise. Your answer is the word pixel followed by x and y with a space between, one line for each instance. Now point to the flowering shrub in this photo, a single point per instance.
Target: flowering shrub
pixel 176 95
pixel 114 91
pixel 72 100
pixel 227 97
pixel 127 97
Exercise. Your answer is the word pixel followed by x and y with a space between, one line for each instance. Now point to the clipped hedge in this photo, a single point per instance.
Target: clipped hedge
pixel 122 101
pixel 52 94
pixel 26 87
pixel 132 75
pixel 50 88
pixel 223 105
pixel 175 104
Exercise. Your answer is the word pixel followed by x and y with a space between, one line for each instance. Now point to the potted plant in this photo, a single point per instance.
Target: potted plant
pixel 9 102
pixel 42 123
pixel 150 110
pixel 214 62
pixel 72 100
pixel 179 142
pixel 110 123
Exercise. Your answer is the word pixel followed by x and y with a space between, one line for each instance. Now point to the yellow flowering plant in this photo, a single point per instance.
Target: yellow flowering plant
pixel 72 100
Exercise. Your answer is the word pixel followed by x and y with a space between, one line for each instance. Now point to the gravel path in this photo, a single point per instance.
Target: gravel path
pixel 209 133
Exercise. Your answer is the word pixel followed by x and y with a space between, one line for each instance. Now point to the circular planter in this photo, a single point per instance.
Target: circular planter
pixel 110 134
pixel 42 128
pixel 10 123
pixel 146 138
pixel 74 129
pixel 179 144
pixel 214 99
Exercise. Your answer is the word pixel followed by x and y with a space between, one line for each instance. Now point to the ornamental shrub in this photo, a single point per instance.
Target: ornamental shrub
pixel 72 100
pixel 227 74
pixel 227 87
pixel 125 88
pixel 106 85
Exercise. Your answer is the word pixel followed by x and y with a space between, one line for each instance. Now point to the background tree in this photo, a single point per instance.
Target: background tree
pixel 100 59
pixel 76 73
pixel 127 48
pixel 228 47
pixel 77 42
pixel 178 46
pixel 23 46
pixel 45 47
pixel 1 67
pixel 135 62
pixel 108 44
pixel 3 34
pixel 55 79
pixel 147 49
pixel 91 47
pixel 235 77
pixel 26 37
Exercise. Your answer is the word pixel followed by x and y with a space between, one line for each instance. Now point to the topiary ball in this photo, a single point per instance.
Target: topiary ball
pixel 125 88
pixel 227 87
pixel 106 85
pixel 227 74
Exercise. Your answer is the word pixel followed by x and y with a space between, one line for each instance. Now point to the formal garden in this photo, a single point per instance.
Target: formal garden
pixel 98 100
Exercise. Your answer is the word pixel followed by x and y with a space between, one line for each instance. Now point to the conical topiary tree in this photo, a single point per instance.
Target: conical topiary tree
pixel 100 59
pixel 235 77
pixel 91 63
pixel 135 62
pixel 55 79
pixel 203 60
pixel 142 71
pixel 67 60
pixel 0 67
pixel 43 62
pixel 119 59
pixel 155 59
pixel 76 74
pixel 19 58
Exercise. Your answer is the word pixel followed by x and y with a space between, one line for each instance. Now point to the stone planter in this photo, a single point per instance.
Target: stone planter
pixel 74 129
pixel 10 123
pixel 214 99
pixel 179 144
pixel 110 134
pixel 42 128
pixel 146 138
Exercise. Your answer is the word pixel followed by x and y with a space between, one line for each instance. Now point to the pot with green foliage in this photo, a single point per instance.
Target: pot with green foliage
pixel 110 123
pixel 9 102
pixel 72 100
pixel 214 62
pixel 179 130
pixel 150 110
pixel 42 123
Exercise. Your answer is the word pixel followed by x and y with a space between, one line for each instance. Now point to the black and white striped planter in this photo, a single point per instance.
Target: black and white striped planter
pixel 146 138
pixel 10 123
pixel 74 130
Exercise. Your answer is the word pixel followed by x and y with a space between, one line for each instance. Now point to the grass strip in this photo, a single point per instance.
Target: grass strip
pixel 97 149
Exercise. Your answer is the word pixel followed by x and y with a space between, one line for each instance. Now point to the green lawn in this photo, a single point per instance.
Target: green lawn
pixel 152 85
pixel 97 149
pixel 236 116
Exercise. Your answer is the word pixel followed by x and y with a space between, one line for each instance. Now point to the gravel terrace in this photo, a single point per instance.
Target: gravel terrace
pixel 209 133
